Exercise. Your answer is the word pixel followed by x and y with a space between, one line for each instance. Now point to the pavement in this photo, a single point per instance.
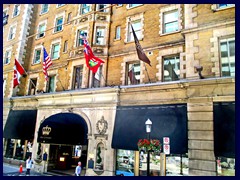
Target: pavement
pixel 12 170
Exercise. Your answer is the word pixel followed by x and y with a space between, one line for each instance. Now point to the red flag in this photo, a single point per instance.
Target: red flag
pixel 92 62
pixel 131 75
pixel 141 55
pixel 46 63
pixel 18 71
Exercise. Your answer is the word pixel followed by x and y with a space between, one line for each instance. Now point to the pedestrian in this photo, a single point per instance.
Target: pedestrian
pixel 29 163
pixel 78 169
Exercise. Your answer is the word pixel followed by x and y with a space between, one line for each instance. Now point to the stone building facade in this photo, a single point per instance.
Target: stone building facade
pixel 192 52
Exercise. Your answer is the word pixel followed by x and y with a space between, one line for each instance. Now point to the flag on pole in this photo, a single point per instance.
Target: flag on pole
pixel 46 63
pixel 18 71
pixel 92 62
pixel 141 55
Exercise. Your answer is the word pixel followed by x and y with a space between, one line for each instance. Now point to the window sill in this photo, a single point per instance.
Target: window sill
pixel 222 9
pixel 43 13
pixel 129 8
pixel 55 32
pixel 37 38
pixel 165 34
pixel 117 39
pixel 33 64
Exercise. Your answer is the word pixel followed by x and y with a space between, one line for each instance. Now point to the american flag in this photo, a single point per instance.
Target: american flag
pixel 46 63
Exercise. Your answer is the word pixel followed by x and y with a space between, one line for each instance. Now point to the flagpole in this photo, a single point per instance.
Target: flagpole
pixel 147 73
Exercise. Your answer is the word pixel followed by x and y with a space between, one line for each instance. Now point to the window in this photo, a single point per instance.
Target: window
pixel 65 48
pixel 16 10
pixel 133 73
pixel 41 30
pixel 59 24
pixel 50 84
pixel 12 33
pixel 85 8
pixel 125 162
pixel 227 47
pixel 59 5
pixel 118 32
pixel 119 4
pixel 55 51
pixel 4 86
pixel 171 71
pixel 37 55
pixel 101 7
pixel 7 57
pixel 44 8
pixel 134 5
pixel 96 79
pixel 100 35
pixel 79 39
pixel 32 86
pixel 170 22
pixel 221 6
pixel 77 77
pixel 5 17
pixel 137 28
pixel 69 17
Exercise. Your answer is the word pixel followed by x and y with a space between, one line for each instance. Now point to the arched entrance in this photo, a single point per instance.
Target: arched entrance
pixel 66 134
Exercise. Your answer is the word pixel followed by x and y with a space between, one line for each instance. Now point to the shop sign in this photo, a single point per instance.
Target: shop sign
pixel 166 149
pixel 166 140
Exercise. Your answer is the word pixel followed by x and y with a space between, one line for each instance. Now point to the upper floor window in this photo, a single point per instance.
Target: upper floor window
pixel 59 24
pixel 171 71
pixel 100 7
pixel 134 5
pixel 32 86
pixel 41 30
pixel 77 77
pixel 119 4
pixel 118 32
pixel 133 73
pixel 5 17
pixel 65 48
pixel 96 79
pixel 69 17
pixel 50 84
pixel 221 6
pixel 16 10
pixel 7 57
pixel 85 8
pixel 227 47
pixel 59 5
pixel 79 39
pixel 44 8
pixel 100 34
pixel 55 51
pixel 137 26
pixel 170 21
pixel 36 58
pixel 12 33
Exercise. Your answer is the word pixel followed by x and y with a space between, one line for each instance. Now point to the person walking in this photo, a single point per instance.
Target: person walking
pixel 29 163
pixel 78 169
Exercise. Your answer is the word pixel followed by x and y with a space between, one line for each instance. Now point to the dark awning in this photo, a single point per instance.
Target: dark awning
pixel 20 124
pixel 63 128
pixel 167 121
pixel 224 129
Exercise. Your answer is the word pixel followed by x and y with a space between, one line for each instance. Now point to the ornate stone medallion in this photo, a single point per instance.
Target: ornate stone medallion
pixel 102 126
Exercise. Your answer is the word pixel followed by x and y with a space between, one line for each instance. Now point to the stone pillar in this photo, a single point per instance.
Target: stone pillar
pixel 201 137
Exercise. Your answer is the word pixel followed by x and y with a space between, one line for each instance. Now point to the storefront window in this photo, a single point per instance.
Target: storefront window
pixel 10 147
pixel 176 165
pixel 226 166
pixel 125 163
pixel 154 164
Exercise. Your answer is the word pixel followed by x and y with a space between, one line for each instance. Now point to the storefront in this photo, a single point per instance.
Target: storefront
pixel 167 121
pixel 19 133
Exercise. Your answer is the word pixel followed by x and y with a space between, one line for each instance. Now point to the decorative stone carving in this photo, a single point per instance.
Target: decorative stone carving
pixel 98 51
pixel 102 18
pixel 102 126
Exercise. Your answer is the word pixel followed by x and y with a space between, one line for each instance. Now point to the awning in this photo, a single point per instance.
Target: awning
pixel 167 121
pixel 63 128
pixel 20 124
pixel 224 129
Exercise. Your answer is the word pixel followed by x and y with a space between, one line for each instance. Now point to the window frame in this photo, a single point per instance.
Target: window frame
pixel 39 30
pixel 138 32
pixel 32 87
pixel 118 32
pixel 130 6
pixel 74 81
pixel 95 82
pixel 53 50
pixel 103 28
pixel 7 56
pixel 133 63
pixel 60 5
pixel 82 8
pixel 175 58
pixel 37 61
pixel 16 11
pixel 164 31
pixel 48 85
pixel 79 41
pixel 43 8
pixel 104 6
pixel 11 33
pixel 226 6
pixel 58 25
pixel 65 47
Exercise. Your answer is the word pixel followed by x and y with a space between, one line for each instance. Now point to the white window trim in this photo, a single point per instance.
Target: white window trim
pixel 128 6
pixel 80 8
pixel 168 9
pixel 32 76
pixel 52 72
pixel 41 56
pixel 84 77
pixel 134 18
pixel 76 33
pixel 95 34
pixel 55 20
pixel 116 33
pixel 105 10
pixel 18 12
pixel 215 7
pixel 56 41
pixel 10 54
pixel 42 8
pixel 13 25
pixel 57 6
pixel 41 23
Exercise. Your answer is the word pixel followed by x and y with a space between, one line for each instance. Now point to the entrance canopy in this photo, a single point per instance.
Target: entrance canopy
pixel 167 121
pixel 224 129
pixel 20 124
pixel 63 128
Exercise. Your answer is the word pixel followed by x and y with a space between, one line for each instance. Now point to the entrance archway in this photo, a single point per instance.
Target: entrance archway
pixel 65 133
